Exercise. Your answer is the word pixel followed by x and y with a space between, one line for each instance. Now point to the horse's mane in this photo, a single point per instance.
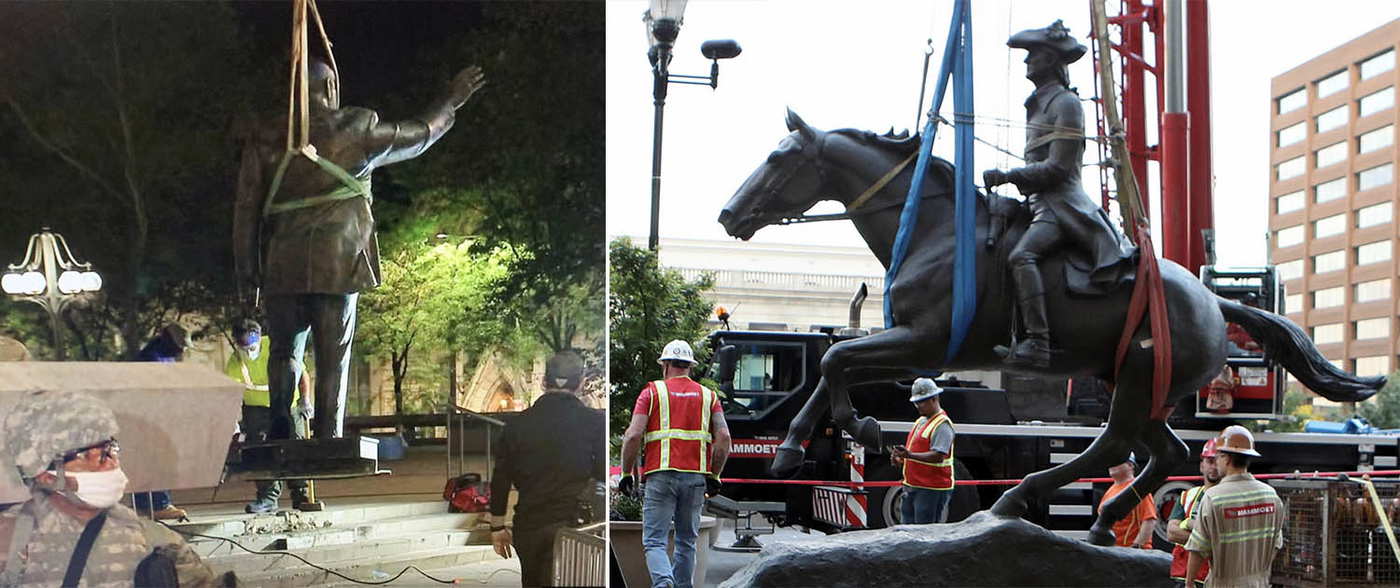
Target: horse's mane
pixel 902 143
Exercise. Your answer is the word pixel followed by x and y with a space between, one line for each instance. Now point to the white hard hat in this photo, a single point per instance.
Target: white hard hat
pixel 924 389
pixel 677 350
pixel 1236 439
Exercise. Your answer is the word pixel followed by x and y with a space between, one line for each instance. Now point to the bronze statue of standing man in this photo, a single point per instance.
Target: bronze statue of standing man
pixel 304 232
pixel 1062 214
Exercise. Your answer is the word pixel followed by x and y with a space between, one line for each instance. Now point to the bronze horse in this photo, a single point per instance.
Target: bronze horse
pixel 812 165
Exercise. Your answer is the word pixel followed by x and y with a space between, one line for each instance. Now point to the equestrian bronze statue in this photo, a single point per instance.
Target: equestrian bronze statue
pixel 1061 213
pixel 304 231
pixel 1085 302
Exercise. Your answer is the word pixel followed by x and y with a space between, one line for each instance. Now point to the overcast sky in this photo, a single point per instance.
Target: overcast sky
pixel 845 64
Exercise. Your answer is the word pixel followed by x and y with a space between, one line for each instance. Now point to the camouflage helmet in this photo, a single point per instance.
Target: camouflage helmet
pixel 44 425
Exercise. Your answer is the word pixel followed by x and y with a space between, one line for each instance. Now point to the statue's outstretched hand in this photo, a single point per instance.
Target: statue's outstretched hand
pixel 467 82
pixel 993 177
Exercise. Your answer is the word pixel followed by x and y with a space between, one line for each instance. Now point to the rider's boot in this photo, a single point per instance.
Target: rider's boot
pixel 1034 350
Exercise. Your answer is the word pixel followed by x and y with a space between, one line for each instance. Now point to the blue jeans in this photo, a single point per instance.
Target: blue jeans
pixel 922 506
pixel 672 498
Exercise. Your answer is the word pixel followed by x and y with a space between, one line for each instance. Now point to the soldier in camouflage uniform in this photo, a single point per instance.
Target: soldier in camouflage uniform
pixel 64 446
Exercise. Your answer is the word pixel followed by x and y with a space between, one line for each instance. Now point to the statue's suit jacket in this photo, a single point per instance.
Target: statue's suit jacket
pixel 1051 179
pixel 328 248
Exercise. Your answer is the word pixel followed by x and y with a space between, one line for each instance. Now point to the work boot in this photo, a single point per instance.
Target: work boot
pixel 170 512
pixel 262 505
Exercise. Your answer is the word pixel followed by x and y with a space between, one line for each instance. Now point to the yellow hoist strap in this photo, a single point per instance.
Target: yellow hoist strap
pixel 1385 520
pixel 1053 136
pixel 298 118
pixel 665 433
pixel 881 183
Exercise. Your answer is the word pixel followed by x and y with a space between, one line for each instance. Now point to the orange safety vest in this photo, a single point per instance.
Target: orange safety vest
pixel 678 427
pixel 922 474
pixel 1190 501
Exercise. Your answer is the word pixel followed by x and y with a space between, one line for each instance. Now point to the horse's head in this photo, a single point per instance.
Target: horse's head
pixel 786 185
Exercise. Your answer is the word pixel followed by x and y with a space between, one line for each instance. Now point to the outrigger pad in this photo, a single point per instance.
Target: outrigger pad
pixel 310 459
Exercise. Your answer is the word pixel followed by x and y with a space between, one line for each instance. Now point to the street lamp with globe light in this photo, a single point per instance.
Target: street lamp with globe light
pixel 51 277
pixel 663 23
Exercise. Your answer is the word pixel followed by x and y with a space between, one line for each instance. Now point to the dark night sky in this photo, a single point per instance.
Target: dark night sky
pixel 376 43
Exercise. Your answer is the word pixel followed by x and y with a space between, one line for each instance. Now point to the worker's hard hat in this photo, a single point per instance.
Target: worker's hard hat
pixel 677 350
pixel 44 425
pixel 924 389
pixel 1208 451
pixel 1237 439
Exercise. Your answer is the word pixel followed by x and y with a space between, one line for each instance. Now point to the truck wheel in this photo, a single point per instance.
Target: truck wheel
pixel 1166 498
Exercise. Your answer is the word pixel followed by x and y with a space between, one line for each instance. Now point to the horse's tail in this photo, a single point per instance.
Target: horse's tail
pixel 1291 348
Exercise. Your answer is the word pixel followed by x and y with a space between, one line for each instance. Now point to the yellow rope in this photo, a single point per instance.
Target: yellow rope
pixel 1384 517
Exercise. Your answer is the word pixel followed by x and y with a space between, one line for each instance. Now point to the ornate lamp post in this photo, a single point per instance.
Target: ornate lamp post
pixel 51 277
pixel 663 23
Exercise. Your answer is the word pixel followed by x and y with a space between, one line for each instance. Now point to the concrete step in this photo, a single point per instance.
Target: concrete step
pixel 362 550
pixel 298 539
pixel 460 560
pixel 493 572
pixel 230 520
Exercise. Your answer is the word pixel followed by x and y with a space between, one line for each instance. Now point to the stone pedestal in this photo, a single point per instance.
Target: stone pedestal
pixel 176 420
pixel 984 550
pixel 625 537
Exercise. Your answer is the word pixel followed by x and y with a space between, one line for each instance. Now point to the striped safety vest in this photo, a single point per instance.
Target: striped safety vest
pixel 1190 503
pixel 678 427
pixel 922 474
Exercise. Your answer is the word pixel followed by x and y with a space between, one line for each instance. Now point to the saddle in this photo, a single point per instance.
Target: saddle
pixel 1008 219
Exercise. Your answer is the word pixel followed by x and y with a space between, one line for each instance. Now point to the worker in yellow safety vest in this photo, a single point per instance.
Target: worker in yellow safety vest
pixel 927 456
pixel 248 365
pixel 1183 517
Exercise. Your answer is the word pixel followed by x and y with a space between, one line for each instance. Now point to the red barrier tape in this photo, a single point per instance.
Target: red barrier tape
pixel 888 483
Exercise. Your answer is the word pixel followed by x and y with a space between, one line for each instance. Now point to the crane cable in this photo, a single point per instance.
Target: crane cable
pixel 1149 295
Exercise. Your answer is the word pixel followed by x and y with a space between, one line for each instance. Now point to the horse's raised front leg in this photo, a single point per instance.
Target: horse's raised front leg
pixel 1127 413
pixel 788 458
pixel 790 453
pixel 1167 453
pixel 899 347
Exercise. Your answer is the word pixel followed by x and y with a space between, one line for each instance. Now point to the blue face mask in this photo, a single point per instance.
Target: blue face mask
pixel 250 346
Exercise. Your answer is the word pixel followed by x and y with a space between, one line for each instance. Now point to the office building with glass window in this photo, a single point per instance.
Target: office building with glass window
pixel 1333 196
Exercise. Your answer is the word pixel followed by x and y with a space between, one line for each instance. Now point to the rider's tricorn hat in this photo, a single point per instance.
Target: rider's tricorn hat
pixel 1055 37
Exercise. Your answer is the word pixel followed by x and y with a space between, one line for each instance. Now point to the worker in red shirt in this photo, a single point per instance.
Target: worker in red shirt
pixel 680 427
pixel 1134 530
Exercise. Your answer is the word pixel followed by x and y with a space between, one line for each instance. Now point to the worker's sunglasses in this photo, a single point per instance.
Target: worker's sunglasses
pixel 110 450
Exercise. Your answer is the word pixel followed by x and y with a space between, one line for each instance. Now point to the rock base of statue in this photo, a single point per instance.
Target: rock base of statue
pixel 984 550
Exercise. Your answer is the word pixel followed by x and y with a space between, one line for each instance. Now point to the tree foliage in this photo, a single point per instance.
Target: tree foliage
pixel 436 297
pixel 648 306
pixel 114 119
pixel 1384 410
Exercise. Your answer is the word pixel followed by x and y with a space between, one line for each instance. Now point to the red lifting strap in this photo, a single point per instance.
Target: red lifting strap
pixel 1149 295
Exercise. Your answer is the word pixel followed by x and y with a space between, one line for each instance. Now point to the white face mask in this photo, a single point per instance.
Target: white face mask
pixel 252 352
pixel 99 489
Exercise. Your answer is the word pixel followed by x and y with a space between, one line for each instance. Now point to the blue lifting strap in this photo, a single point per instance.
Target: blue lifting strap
pixel 957 65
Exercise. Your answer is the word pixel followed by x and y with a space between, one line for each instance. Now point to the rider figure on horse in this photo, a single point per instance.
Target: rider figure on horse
pixel 1062 214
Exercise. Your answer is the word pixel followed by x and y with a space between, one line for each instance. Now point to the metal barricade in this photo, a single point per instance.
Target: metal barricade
pixel 578 556
pixel 1333 536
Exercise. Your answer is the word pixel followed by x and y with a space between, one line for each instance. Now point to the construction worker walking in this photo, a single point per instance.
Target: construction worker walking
pixel 686 444
pixel 1240 521
pixel 927 457
pixel 1183 519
